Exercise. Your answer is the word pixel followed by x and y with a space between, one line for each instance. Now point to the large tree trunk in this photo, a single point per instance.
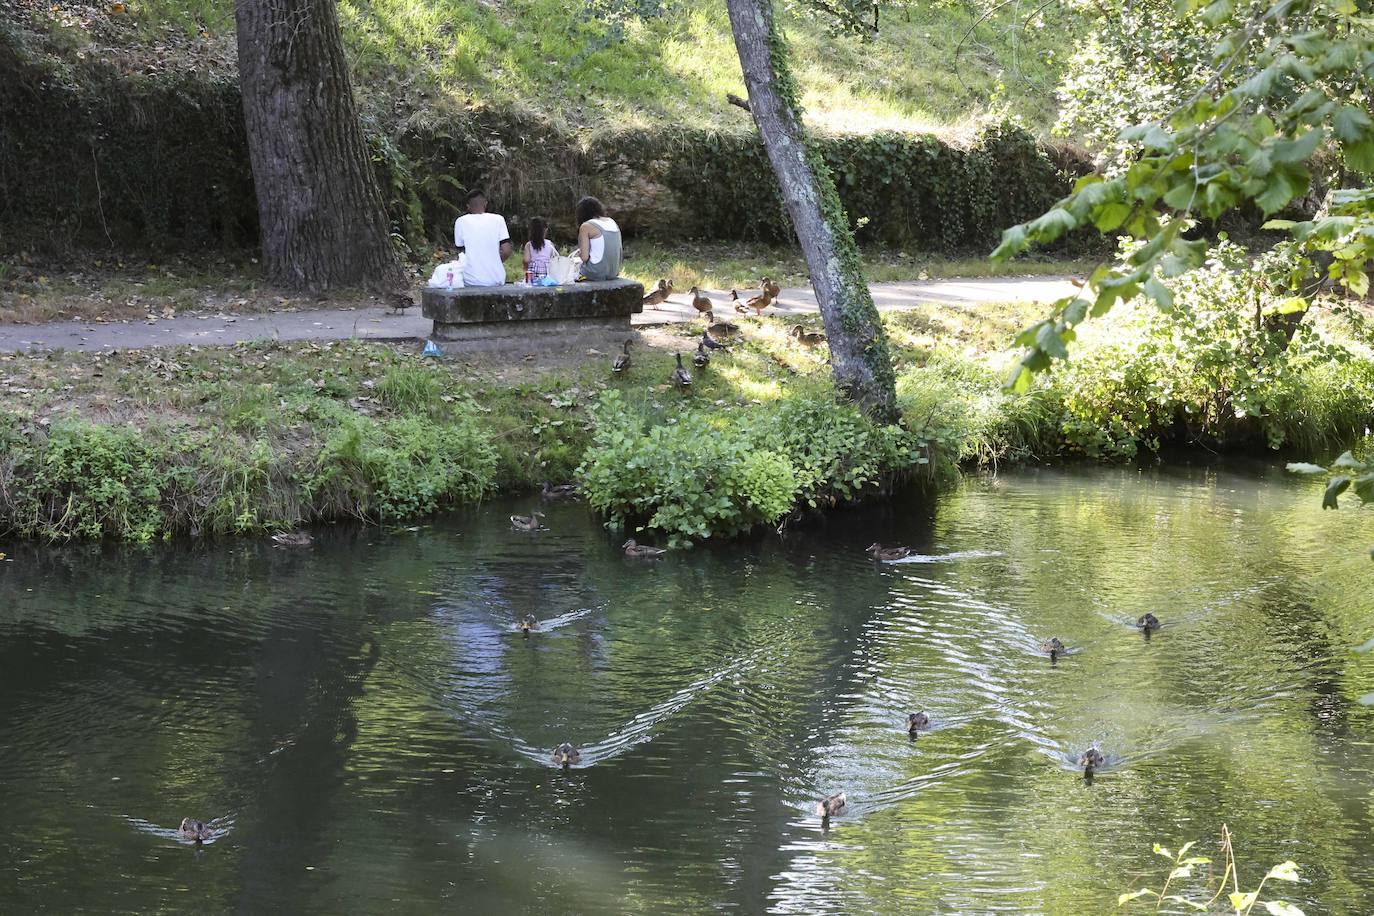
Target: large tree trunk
pixel 859 357
pixel 323 224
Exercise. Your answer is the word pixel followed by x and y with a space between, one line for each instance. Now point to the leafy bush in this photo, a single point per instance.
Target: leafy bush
pixel 703 473
pixel 91 481
pixel 1226 366
pixel 404 466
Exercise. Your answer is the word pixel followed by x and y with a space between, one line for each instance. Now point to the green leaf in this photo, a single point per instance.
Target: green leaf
pixel 1297 149
pixel 1013 242
pixel 1302 467
pixel 1351 124
pixel 1200 907
pixel 1241 901
pixel 1019 380
pixel 1334 489
pixel 1289 306
pixel 1288 871
pixel 1282 908
pixel 1182 871
pixel 1163 298
pixel 1048 339
pixel 1110 216
pixel 1126 898
pixel 1163 851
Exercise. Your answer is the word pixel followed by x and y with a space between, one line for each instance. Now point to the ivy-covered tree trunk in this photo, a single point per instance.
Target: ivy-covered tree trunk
pixel 321 214
pixel 859 356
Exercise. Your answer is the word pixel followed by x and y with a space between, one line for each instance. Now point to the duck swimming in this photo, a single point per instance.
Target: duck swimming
pixel 1090 760
pixel 1147 623
pixel 830 806
pixel 641 551
pixel 559 491
pixel 291 539
pixel 565 755
pixel 526 522
pixel 1054 648
pixel 194 830
pixel 915 722
pixel 887 554
pixel 526 624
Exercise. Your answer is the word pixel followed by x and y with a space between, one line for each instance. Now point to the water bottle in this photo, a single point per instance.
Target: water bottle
pixel 450 278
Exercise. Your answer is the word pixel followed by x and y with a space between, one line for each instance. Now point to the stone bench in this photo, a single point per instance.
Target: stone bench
pixel 489 312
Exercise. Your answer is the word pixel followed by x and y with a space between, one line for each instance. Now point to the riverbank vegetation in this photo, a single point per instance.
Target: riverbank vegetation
pixel 260 437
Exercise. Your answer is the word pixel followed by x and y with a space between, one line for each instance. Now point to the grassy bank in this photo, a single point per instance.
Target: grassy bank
pixel 592 65
pixel 242 440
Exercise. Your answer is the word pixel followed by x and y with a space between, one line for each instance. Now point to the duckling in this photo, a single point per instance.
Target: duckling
pixel 565 755
pixel 197 831
pixel 719 329
pixel 915 722
pixel 769 288
pixel 807 338
pixel 526 522
pixel 526 624
pixel 659 294
pixel 1090 760
pixel 641 551
pixel 681 378
pixel 1054 648
pixel 1147 623
pixel 559 491
pixel 700 302
pixel 622 362
pixel 701 359
pixel 830 806
pixel 739 303
pixel 887 554
pixel 292 539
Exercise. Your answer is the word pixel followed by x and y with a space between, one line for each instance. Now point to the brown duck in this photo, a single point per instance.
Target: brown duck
pixel 659 294
pixel 527 522
pixel 887 554
pixel 831 805
pixel 700 302
pixel 194 830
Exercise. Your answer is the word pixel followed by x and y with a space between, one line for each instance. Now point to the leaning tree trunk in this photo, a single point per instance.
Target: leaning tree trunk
pixel 323 224
pixel 859 357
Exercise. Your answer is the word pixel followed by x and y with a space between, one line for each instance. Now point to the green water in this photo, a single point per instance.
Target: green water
pixel 372 737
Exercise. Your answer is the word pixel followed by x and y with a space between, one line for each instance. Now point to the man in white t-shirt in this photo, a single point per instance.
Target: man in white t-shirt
pixel 485 239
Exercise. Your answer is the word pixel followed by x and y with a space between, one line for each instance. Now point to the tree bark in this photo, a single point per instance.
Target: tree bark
pixel 859 358
pixel 322 220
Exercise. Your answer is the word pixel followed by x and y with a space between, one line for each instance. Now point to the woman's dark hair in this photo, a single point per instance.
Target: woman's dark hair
pixel 589 208
pixel 538 231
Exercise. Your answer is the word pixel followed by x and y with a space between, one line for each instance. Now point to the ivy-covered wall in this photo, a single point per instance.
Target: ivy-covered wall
pixel 91 158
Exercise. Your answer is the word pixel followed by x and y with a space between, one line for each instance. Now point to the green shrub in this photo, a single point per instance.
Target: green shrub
pixel 403 466
pixel 411 389
pixel 701 473
pixel 91 481
pixel 1223 368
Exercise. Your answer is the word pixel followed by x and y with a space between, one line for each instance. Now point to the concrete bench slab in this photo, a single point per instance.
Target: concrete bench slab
pixel 487 312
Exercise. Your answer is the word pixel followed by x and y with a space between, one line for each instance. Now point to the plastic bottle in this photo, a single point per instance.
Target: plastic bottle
pixel 450 278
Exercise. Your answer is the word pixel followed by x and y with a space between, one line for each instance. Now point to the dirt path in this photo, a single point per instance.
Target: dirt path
pixel 379 324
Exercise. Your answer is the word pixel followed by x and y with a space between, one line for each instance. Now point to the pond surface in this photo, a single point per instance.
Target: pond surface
pixel 370 735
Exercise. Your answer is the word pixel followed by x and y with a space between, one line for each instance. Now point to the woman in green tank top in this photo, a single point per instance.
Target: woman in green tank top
pixel 598 241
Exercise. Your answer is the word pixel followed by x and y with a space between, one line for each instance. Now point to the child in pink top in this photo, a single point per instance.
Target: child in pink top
pixel 538 250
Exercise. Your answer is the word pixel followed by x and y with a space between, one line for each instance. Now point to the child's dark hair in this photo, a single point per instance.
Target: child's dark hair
pixel 538 232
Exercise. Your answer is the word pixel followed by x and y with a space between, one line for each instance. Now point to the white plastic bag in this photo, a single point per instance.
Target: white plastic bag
pixel 563 270
pixel 440 277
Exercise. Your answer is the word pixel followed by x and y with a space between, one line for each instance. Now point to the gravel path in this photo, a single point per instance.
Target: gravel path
pixel 379 324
